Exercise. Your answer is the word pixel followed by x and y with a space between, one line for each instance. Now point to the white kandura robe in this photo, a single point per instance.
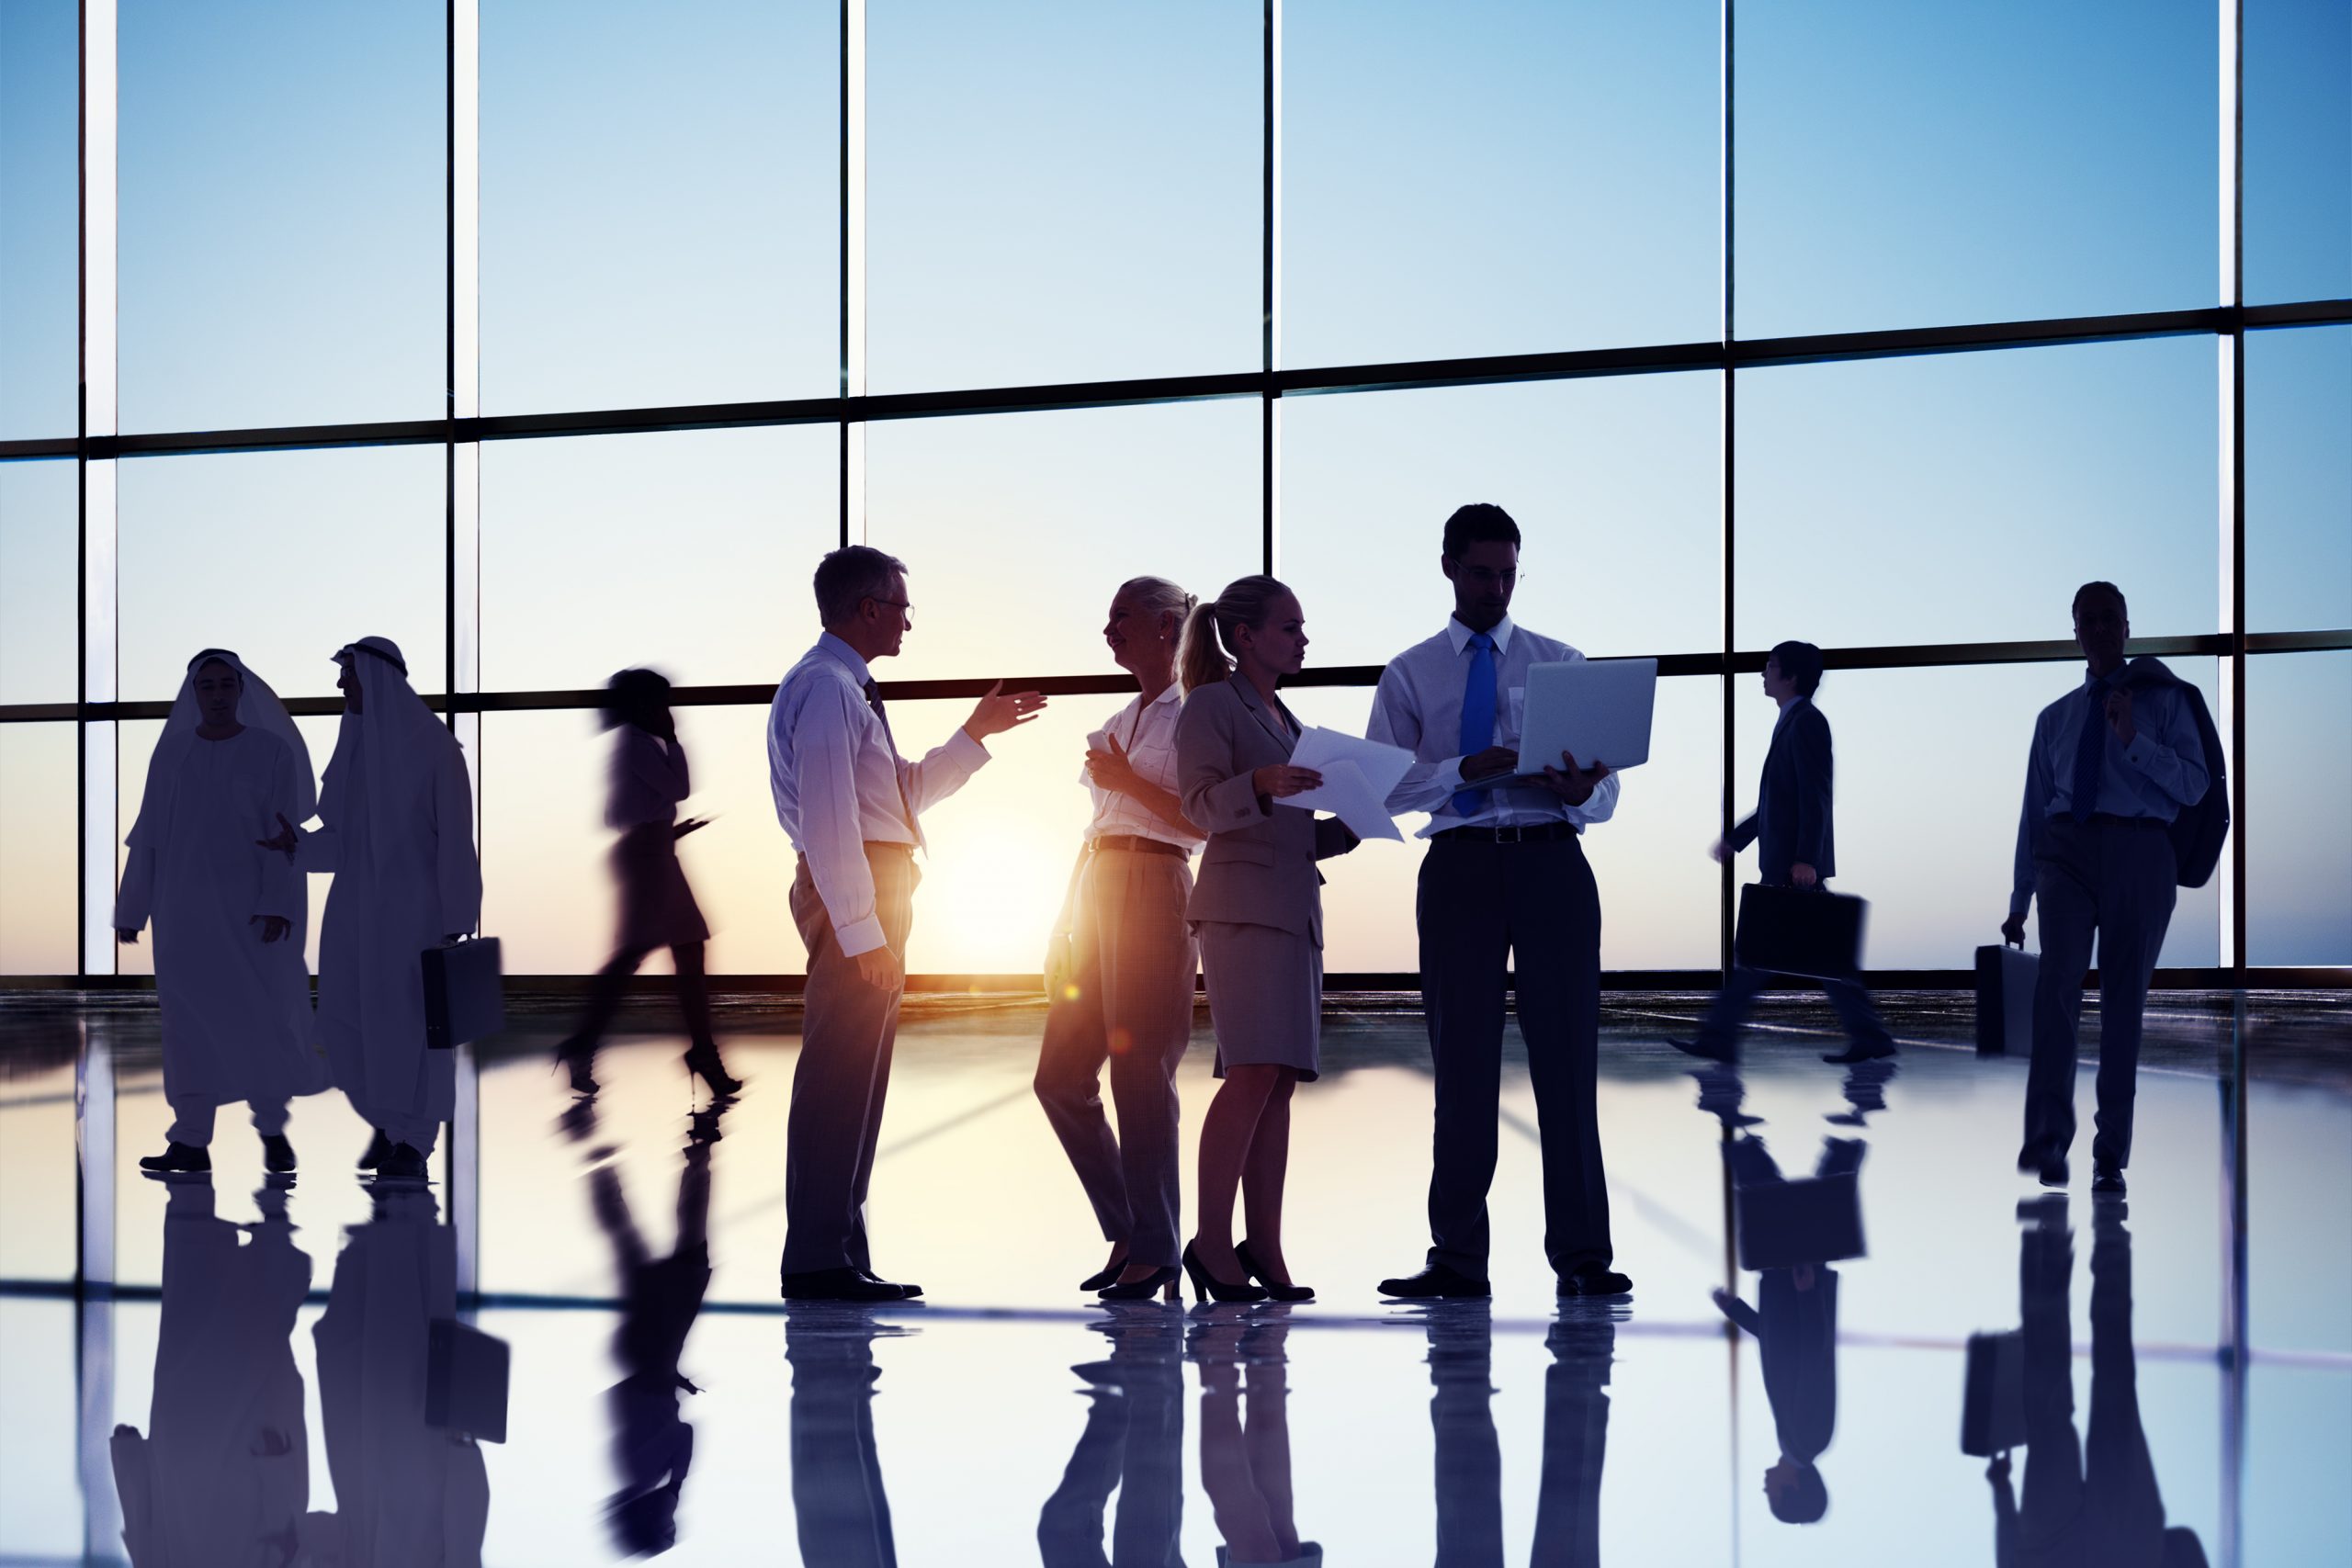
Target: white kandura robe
pixel 407 1495
pixel 405 877
pixel 223 1474
pixel 237 1020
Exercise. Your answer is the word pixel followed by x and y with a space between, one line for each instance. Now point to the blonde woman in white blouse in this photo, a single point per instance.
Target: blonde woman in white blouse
pixel 1119 967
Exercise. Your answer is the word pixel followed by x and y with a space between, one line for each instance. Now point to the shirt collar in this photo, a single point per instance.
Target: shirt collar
pixel 835 648
pixel 1461 635
pixel 1174 694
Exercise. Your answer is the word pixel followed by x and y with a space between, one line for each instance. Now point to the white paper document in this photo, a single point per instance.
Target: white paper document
pixel 1357 776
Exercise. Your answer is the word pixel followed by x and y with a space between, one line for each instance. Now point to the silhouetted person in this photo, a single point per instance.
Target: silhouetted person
pixel 2095 1506
pixel 1245 1433
pixel 839 1509
pixel 2112 764
pixel 653 1446
pixel 1583 1342
pixel 1795 829
pixel 851 805
pixel 1794 1321
pixel 1119 966
pixel 1257 910
pixel 1133 1444
pixel 649 778
pixel 406 1494
pixel 229 917
pixel 223 1474
pixel 398 831
pixel 1507 900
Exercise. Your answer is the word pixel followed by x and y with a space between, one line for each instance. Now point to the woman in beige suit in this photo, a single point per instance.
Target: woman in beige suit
pixel 1257 910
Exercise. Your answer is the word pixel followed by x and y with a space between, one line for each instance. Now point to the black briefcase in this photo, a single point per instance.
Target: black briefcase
pixel 1992 1402
pixel 465 1381
pixel 1783 1224
pixel 1798 931
pixel 465 993
pixel 2005 980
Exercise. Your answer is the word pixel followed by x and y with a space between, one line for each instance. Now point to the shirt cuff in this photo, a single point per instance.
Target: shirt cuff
pixel 2141 750
pixel 968 752
pixel 860 936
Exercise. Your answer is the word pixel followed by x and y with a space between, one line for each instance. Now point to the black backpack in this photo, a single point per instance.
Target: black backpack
pixel 2199 831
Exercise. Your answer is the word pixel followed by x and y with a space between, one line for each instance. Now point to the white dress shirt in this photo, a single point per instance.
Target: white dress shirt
pixel 839 784
pixel 2159 773
pixel 1148 736
pixel 1419 707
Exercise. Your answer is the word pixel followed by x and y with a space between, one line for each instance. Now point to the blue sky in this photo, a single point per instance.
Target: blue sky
pixel 1059 193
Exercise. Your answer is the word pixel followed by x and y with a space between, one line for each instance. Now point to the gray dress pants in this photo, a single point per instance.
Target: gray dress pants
pixel 2116 884
pixel 846 1031
pixel 1135 959
pixel 1524 917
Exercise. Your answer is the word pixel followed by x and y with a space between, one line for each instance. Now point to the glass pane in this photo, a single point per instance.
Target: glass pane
pixel 1017 528
pixel 40 583
pixel 1037 170
pixel 660 204
pixel 591 547
pixel 40 68
pixel 284 557
pixel 283 186
pixel 1576 208
pixel 1657 888
pixel 2299 833
pixel 2298 107
pixel 1932 847
pixel 1964 497
pixel 1616 484
pixel 1915 166
pixel 2297 479
pixel 38 783
pixel 40 1498
pixel 547 892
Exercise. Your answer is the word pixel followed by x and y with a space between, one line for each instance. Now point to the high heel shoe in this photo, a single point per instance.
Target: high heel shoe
pixel 580 1062
pixel 1106 1275
pixel 1275 1290
pixel 1161 1279
pixel 705 1060
pixel 1207 1287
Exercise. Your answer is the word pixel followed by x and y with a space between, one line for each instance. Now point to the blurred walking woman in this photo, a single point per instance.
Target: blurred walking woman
pixel 1119 967
pixel 656 908
pixel 1258 912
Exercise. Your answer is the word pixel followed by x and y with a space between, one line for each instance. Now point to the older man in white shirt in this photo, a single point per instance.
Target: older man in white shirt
pixel 850 804
pixel 1506 898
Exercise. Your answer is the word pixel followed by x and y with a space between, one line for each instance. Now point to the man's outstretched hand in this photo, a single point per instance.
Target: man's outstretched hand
pixel 1000 711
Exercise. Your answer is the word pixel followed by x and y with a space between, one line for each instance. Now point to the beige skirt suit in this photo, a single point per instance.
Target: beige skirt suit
pixel 1257 905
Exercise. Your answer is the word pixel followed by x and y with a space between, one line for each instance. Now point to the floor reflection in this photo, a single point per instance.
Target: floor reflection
pixel 1133 1444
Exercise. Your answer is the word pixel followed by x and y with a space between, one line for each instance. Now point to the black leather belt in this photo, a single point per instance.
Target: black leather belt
pixel 1139 845
pixel 1532 833
pixel 2107 819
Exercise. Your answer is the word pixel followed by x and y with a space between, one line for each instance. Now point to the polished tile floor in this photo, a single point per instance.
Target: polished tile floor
pixel 254 1387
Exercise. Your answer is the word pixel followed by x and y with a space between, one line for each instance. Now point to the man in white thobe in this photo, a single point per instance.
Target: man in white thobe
pixel 228 916
pixel 397 817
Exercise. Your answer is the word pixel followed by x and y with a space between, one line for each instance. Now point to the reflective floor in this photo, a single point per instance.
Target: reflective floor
pixel 1847 1310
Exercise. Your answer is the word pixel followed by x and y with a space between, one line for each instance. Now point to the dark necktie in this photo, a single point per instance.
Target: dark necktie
pixel 890 743
pixel 1477 716
pixel 2089 751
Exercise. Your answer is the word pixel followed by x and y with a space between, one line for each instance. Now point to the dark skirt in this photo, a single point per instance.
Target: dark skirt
pixel 657 909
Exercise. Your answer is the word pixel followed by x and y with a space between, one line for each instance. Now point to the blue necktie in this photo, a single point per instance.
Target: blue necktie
pixel 2089 751
pixel 1477 716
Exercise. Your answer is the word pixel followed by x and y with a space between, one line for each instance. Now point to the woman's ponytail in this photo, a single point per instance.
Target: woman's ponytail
pixel 1199 660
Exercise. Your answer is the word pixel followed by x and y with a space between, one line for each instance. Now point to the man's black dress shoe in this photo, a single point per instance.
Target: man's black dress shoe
pixel 1860 1051
pixel 403 1163
pixel 1433 1282
pixel 2051 1168
pixel 2107 1179
pixel 179 1159
pixel 1705 1051
pixel 840 1285
pixel 277 1154
pixel 379 1149
pixel 1594 1279
pixel 906 1292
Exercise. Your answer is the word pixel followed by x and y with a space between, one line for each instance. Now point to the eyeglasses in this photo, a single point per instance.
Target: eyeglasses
pixel 902 605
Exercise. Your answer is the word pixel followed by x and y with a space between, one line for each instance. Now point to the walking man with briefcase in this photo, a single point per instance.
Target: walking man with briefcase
pixel 2114 764
pixel 1792 827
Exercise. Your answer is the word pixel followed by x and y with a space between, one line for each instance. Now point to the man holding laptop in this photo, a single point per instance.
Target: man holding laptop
pixel 1504 877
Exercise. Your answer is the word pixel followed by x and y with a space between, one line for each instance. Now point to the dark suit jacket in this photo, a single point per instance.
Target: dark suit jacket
pixel 1259 866
pixel 1792 810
